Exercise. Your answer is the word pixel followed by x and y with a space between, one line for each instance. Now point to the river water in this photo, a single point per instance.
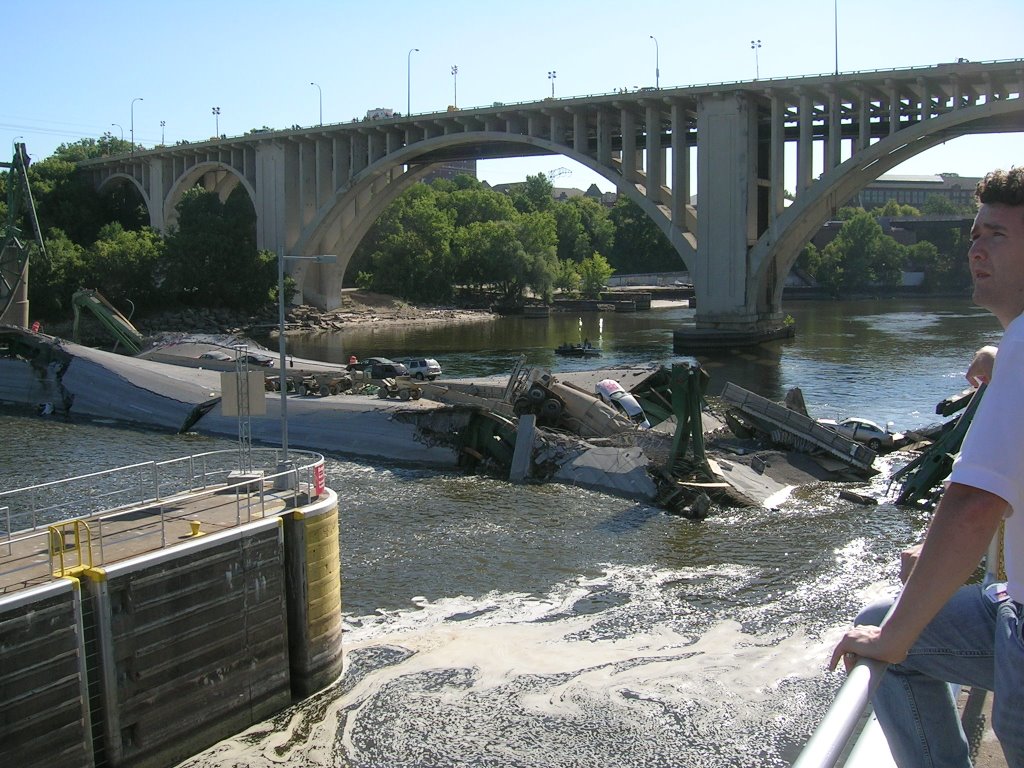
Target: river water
pixel 543 625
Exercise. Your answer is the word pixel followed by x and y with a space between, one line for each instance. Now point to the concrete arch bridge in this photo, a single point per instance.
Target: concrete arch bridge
pixel 318 190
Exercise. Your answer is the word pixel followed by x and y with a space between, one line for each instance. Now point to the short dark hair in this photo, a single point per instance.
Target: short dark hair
pixel 1006 187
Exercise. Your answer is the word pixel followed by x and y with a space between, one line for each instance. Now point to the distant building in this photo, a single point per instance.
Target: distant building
pixel 914 190
pixel 450 169
pixel 561 194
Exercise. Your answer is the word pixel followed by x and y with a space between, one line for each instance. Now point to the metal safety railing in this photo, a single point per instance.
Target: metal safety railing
pixel 846 715
pixel 34 506
pixel 84 520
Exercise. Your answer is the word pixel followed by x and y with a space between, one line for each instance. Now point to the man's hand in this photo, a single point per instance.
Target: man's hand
pixel 868 641
pixel 908 559
pixel 980 370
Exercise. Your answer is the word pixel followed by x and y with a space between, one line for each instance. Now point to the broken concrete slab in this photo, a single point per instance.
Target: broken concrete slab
pixel 620 470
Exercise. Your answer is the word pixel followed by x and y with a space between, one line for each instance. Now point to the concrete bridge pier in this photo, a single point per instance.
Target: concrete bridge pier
pixel 734 182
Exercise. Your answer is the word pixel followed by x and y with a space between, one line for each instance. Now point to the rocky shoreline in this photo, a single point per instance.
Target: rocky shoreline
pixel 359 308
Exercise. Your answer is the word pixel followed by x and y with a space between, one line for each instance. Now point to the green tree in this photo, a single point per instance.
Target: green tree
pixel 538 238
pixel 809 261
pixel 122 265
pixel 65 198
pixel 489 254
pixel 533 195
pixel 941 273
pixel 596 223
pixel 567 278
pixel 477 204
pixel 583 227
pixel 893 208
pixel 639 246
pixel 573 242
pixel 594 273
pixel 413 259
pixel 211 258
pixel 54 279
pixel 509 257
pixel 861 256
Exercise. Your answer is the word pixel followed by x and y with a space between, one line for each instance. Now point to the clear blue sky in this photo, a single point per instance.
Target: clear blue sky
pixel 78 66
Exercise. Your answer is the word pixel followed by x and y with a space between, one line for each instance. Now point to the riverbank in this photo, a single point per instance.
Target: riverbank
pixel 359 308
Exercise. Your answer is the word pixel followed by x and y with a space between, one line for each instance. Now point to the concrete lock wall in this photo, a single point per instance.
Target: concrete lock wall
pixel 153 659
pixel 44 720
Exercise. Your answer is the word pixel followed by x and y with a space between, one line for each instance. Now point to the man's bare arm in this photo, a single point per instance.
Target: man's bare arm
pixel 980 370
pixel 962 527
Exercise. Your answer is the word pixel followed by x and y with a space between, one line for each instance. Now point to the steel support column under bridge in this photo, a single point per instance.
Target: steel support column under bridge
pixel 740 146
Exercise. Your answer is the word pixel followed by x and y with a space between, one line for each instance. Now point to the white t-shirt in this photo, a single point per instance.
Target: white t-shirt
pixel 992 453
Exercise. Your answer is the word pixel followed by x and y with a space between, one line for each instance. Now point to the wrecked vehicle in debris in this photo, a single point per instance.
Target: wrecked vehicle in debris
pixel 532 425
pixel 863 431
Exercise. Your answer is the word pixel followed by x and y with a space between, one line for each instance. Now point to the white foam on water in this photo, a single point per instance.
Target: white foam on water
pixel 522 680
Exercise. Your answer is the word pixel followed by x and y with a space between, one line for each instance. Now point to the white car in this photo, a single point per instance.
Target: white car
pixel 423 368
pixel 613 394
pixel 863 431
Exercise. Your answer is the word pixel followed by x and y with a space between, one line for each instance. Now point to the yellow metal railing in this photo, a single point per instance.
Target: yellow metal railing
pixel 80 545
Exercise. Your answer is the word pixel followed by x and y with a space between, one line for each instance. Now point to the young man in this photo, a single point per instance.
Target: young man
pixel 940 630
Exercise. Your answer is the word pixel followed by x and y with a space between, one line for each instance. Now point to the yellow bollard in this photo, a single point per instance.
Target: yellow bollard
pixel 196 524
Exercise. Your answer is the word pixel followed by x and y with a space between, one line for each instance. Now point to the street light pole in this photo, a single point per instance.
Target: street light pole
pixel 163 124
pixel 319 91
pixel 138 98
pixel 282 378
pixel 408 81
pixel 755 44
pixel 657 68
pixel 455 85
pixel 835 20
pixel 121 129
pixel 551 76
pixel 216 122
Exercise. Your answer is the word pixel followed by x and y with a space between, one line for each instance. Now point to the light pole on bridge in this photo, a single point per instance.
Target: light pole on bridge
pixel 455 85
pixel 163 124
pixel 657 68
pixel 551 76
pixel 835 24
pixel 321 93
pixel 755 44
pixel 408 81
pixel 138 98
pixel 216 122
pixel 120 129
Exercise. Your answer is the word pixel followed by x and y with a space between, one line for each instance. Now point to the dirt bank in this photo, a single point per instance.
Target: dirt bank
pixel 358 308
pixel 362 307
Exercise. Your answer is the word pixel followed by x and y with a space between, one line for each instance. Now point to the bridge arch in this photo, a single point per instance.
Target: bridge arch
pixel 339 226
pixel 118 179
pixel 213 176
pixel 779 247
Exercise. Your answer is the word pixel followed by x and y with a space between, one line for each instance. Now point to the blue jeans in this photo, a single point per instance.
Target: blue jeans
pixel 971 641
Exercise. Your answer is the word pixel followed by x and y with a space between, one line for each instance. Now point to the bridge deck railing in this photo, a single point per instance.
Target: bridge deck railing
pixel 646 91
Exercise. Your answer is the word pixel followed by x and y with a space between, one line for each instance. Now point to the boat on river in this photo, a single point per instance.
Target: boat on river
pixel 578 350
